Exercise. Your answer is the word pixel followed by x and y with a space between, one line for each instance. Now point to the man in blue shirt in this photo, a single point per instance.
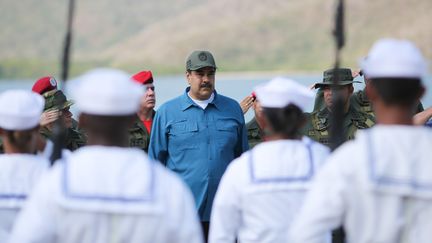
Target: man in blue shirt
pixel 199 133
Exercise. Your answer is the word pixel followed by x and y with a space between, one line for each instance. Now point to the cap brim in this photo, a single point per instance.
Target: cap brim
pixel 201 66
pixel 340 83
pixel 67 104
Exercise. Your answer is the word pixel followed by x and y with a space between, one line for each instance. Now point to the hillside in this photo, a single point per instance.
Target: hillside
pixel 245 35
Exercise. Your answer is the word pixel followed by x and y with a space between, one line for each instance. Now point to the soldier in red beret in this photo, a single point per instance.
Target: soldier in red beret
pixel 56 105
pixel 139 134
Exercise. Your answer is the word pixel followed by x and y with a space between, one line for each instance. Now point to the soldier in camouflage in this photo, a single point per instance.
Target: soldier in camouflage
pixel 358 100
pixel 318 122
pixel 139 134
pixel 56 106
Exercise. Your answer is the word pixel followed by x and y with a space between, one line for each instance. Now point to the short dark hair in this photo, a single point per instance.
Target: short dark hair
pixel 109 127
pixel 398 91
pixel 21 139
pixel 286 121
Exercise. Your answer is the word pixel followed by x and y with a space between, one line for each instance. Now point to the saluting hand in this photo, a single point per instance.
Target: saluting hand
pixel 246 103
pixel 49 117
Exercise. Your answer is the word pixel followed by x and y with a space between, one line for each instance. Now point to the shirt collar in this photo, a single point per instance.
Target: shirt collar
pixel 187 102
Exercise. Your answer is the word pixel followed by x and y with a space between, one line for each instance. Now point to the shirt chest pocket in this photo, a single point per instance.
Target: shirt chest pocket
pixel 227 131
pixel 227 125
pixel 183 128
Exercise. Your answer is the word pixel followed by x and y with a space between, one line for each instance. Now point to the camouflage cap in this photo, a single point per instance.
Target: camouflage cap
pixel 200 59
pixel 55 99
pixel 345 77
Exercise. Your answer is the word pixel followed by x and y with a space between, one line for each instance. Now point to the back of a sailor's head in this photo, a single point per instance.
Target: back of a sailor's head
pixel 284 101
pixel 20 111
pixel 396 69
pixel 107 100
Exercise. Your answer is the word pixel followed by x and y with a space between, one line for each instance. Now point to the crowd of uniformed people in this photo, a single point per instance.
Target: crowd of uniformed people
pixel 194 171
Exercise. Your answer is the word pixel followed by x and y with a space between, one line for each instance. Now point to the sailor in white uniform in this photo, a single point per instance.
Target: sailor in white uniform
pixel 19 167
pixel 106 191
pixel 379 186
pixel 261 192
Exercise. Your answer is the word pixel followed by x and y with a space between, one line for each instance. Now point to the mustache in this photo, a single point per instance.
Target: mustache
pixel 206 85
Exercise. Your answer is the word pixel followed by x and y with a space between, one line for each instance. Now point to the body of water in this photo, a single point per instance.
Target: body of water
pixel 236 87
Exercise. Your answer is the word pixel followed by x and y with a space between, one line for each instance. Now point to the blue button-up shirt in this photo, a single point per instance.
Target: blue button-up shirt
pixel 198 144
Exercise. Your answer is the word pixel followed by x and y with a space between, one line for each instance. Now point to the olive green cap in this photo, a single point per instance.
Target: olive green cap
pixel 200 59
pixel 345 77
pixel 55 99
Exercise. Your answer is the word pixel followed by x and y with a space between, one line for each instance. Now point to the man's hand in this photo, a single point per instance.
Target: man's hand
pixel 421 118
pixel 49 117
pixel 355 73
pixel 246 103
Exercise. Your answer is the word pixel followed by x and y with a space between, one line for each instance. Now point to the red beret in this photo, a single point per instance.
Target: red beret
pixel 44 84
pixel 143 77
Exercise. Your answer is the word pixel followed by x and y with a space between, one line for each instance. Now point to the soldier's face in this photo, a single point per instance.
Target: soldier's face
pixel 201 82
pixel 148 101
pixel 345 90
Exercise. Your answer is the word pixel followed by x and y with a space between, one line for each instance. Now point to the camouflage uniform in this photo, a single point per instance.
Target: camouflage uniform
pixel 355 118
pixel 55 99
pixel 254 133
pixel 74 138
pixel 317 126
pixel 358 100
pixel 139 136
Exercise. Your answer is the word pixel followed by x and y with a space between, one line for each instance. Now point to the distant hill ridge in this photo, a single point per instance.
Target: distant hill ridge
pixel 244 35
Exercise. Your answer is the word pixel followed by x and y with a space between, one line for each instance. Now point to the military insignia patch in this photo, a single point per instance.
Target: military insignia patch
pixel 202 56
pixel 53 82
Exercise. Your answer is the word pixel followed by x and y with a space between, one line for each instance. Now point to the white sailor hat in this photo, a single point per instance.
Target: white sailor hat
pixel 393 58
pixel 105 91
pixel 20 109
pixel 280 92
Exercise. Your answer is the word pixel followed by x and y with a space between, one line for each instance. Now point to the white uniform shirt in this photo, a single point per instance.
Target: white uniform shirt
pixel 261 191
pixel 378 186
pixel 109 194
pixel 18 174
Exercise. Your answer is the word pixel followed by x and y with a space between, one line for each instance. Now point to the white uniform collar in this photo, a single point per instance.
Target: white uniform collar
pixel 399 159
